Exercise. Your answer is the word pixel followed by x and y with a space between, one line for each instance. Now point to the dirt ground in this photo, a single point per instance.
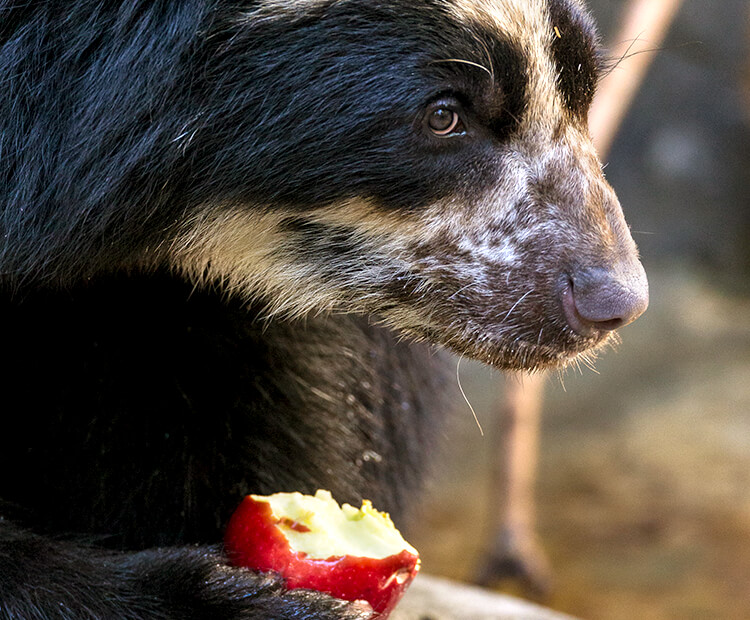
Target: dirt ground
pixel 644 483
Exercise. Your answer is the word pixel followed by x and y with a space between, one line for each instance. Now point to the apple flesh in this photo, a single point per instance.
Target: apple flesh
pixel 349 553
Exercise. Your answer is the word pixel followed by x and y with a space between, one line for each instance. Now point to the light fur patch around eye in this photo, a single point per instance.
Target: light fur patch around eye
pixel 525 22
pixel 516 18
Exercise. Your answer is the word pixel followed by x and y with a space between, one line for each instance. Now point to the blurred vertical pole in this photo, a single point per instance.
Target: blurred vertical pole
pixel 644 27
pixel 515 551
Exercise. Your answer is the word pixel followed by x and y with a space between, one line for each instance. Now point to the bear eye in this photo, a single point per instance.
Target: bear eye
pixel 443 121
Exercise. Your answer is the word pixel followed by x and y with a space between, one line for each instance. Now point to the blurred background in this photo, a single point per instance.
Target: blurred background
pixel 643 486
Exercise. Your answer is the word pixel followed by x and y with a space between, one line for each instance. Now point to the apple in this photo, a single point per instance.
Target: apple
pixel 349 553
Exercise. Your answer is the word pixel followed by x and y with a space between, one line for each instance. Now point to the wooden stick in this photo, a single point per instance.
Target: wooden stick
pixel 642 32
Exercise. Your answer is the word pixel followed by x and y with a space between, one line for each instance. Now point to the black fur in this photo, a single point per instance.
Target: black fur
pixel 576 52
pixel 144 411
pixel 140 405
pixel 198 401
pixel 47 580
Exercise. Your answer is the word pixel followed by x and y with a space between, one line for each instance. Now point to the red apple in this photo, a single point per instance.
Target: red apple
pixel 349 553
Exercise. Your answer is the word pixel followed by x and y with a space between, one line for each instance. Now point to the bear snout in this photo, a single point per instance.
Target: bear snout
pixel 601 299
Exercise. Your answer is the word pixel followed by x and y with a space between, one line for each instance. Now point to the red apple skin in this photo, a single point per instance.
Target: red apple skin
pixel 252 540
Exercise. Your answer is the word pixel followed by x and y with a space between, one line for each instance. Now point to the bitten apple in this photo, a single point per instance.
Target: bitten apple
pixel 349 553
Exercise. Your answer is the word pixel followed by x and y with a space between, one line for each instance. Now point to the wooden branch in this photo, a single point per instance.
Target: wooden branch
pixel 644 27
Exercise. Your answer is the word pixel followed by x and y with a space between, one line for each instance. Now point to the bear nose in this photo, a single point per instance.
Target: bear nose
pixel 601 299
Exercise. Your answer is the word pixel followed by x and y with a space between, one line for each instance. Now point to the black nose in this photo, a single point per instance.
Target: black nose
pixel 599 299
